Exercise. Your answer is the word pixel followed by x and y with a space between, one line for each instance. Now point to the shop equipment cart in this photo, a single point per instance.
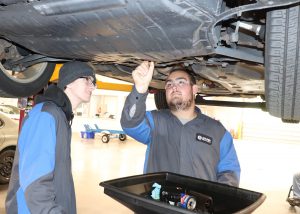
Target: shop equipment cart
pixel 107 134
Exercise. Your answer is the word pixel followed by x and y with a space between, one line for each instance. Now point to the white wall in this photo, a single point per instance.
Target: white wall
pixel 111 102
pixel 254 124
pixel 261 125
pixel 9 101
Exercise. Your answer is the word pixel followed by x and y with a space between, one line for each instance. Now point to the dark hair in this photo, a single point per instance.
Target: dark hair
pixel 190 75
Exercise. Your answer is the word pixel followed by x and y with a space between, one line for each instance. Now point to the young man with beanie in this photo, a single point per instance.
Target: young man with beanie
pixel 41 179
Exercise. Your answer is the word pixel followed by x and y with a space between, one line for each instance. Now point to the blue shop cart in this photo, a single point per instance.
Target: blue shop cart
pixel 107 134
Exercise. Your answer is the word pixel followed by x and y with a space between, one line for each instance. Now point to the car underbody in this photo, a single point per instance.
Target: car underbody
pixel 242 48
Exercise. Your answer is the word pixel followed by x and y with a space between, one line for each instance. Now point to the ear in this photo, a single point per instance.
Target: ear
pixel 195 89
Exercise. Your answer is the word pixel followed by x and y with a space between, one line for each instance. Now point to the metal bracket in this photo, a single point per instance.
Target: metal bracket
pixel 22 64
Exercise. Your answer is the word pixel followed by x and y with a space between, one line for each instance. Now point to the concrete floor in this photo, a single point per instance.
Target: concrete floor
pixel 266 168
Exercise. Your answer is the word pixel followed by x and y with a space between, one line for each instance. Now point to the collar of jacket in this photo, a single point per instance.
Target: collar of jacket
pixel 57 96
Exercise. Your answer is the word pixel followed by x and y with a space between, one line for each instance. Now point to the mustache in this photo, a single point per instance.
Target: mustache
pixel 176 92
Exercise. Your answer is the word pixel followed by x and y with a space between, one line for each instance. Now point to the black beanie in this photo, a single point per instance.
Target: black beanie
pixel 71 71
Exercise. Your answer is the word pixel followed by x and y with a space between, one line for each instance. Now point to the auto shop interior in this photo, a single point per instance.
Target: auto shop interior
pixel 267 150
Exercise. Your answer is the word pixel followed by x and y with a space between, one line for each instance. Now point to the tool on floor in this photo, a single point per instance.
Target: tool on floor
pixel 292 200
pixel 107 134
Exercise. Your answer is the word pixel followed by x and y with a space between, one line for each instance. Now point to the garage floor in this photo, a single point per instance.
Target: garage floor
pixel 266 167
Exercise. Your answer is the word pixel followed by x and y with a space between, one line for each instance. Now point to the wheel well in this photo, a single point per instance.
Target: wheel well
pixel 9 148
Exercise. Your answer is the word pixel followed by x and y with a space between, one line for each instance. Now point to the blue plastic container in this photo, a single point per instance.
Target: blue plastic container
pixel 88 135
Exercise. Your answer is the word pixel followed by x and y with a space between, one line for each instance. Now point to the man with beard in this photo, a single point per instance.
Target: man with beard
pixel 180 139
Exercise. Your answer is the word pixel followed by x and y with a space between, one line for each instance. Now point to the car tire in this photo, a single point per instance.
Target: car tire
pixel 290 121
pixel 122 137
pixel 6 164
pixel 37 77
pixel 105 138
pixel 282 63
pixel 160 99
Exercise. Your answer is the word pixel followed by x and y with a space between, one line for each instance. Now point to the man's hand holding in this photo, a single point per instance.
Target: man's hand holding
pixel 142 76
